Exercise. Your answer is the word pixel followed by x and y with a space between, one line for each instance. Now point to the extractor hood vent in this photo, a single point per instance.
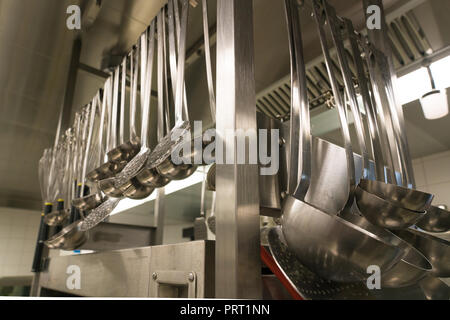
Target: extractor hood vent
pixel 409 44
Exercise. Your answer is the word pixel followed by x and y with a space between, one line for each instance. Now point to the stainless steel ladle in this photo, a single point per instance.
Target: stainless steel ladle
pixel 126 150
pixel 160 158
pixel 60 216
pixel 391 216
pixel 150 178
pixel 111 168
pixel 436 250
pixel 413 266
pixel 103 170
pixel 402 207
pixel 436 220
pixel 331 246
pixel 128 180
pixel 95 198
pixel 71 237
pixel 107 185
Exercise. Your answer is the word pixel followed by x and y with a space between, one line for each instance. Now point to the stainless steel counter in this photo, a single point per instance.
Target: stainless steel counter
pixel 179 270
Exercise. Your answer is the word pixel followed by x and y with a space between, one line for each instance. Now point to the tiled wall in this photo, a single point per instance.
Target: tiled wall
pixel 18 233
pixel 433 176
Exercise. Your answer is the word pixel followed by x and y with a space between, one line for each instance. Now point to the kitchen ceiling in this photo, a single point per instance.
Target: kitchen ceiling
pixel 36 47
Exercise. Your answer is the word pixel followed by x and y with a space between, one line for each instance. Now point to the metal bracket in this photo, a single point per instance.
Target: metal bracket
pixel 173 279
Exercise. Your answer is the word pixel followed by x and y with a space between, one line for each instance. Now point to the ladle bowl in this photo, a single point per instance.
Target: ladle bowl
pixel 175 172
pixel 410 199
pixel 436 220
pixel 151 177
pixel 109 188
pixel 409 270
pixel 384 213
pixel 88 202
pixel 106 170
pixel 435 249
pixel 69 238
pixel 167 168
pixel 125 152
pixel 160 158
pixel 57 218
pixel 135 190
pixel 333 247
pixel 412 268
pixel 434 288
pixel 127 182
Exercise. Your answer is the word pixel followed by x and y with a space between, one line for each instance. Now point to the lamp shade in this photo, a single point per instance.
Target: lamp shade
pixel 434 104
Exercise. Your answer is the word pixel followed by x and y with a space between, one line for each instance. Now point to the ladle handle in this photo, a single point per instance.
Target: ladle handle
pixel 180 66
pixel 209 76
pixel 176 30
pixel 165 126
pixel 300 145
pixel 133 93
pixel 384 71
pixel 42 236
pixel 339 102
pixel 107 97
pixel 380 98
pixel 73 208
pixel 367 102
pixel 102 125
pixel 150 57
pixel 123 94
pixel 335 27
pixel 115 109
pixel 160 73
pixel 147 52
pixel 92 114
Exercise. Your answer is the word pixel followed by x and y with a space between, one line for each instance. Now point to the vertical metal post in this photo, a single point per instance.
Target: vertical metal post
pixel 238 262
pixel 160 211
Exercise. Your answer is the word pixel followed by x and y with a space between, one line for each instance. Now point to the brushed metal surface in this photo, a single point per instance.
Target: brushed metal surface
pixel 435 249
pixel 238 262
pixel 129 273
pixel 196 257
pixel 114 236
pixel 124 273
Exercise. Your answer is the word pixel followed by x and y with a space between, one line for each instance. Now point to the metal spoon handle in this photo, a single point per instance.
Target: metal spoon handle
pixel 150 57
pixel 93 112
pixel 339 101
pixel 209 76
pixel 115 109
pixel 181 64
pixel 367 102
pixel 133 95
pixel 107 97
pixel 147 54
pixel 161 70
pixel 300 146
pixel 102 126
pixel 122 101
pixel 336 30
pixel 380 98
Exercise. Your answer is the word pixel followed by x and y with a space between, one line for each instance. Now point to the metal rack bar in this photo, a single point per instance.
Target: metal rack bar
pixel 238 261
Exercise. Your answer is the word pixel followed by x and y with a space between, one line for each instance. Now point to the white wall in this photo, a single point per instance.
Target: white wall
pixel 433 176
pixel 18 234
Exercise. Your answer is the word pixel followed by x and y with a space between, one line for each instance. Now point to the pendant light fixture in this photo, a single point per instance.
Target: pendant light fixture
pixel 434 103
